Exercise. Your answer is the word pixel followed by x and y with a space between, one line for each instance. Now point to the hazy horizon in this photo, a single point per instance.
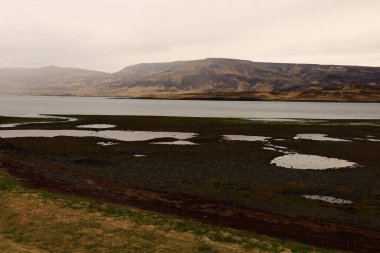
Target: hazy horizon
pixel 108 36
pixel 110 72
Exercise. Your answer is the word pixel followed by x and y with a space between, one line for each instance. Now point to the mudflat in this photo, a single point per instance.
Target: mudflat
pixel 219 180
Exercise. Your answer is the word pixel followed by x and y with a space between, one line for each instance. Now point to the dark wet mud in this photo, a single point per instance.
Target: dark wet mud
pixel 218 181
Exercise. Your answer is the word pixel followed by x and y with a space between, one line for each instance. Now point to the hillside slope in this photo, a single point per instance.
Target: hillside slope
pixel 50 80
pixel 213 78
pixel 227 78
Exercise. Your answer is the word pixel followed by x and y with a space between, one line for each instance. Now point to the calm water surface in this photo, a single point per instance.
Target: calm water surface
pixel 34 105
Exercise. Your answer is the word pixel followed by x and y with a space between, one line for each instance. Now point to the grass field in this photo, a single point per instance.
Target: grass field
pixel 38 221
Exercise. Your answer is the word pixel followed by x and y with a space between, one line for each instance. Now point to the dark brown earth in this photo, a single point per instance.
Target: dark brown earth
pixel 221 182
pixel 317 232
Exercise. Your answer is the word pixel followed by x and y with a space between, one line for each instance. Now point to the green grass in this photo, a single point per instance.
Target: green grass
pixel 43 221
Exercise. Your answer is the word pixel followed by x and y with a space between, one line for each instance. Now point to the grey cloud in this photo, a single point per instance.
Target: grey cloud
pixel 108 35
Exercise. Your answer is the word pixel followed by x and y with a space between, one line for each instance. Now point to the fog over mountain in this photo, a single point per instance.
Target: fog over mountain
pixel 213 78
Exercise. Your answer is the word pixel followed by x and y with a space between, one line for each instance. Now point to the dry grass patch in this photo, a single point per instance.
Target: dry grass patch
pixel 37 221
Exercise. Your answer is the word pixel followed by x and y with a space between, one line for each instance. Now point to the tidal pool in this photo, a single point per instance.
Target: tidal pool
pixel 180 142
pixel 317 137
pixel 97 126
pixel 106 143
pixel 277 120
pixel 310 162
pixel 363 124
pixel 269 148
pixel 280 149
pixel 367 138
pixel 299 121
pixel 62 119
pixel 327 199
pixel 106 134
pixel 245 138
pixel 139 155
pixel 10 125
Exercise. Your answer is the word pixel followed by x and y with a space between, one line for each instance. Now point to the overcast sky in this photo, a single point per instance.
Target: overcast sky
pixel 111 34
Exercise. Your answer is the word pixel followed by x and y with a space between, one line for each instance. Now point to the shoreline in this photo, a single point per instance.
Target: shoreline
pixel 200 98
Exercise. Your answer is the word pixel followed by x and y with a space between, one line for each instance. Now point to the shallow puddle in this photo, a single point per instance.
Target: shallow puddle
pixel 62 119
pixel 107 134
pixel 299 121
pixel 310 162
pixel 245 138
pixel 139 155
pixel 278 120
pixel 106 143
pixel 181 142
pixel 269 148
pixel 10 125
pixel 327 199
pixel 367 139
pixel 317 137
pixel 363 124
pixel 97 126
pixel 280 149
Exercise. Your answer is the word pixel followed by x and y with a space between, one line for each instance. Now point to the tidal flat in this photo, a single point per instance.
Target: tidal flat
pixel 218 181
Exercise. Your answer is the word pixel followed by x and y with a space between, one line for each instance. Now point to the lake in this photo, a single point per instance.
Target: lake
pixel 34 105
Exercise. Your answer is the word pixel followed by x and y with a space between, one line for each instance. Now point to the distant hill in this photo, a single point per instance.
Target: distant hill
pixel 50 80
pixel 212 78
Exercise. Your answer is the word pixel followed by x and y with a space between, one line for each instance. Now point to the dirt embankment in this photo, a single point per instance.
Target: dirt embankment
pixel 318 232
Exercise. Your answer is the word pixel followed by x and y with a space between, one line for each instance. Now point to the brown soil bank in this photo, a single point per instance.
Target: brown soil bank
pixel 317 232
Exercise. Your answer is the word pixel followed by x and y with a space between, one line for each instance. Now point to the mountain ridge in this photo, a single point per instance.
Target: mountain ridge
pixel 210 78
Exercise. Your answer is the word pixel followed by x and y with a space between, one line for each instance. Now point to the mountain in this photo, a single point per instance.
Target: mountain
pixel 238 79
pixel 212 78
pixel 50 80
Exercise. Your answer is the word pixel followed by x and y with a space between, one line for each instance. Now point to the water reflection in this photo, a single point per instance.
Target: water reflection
pixel 97 126
pixel 107 134
pixel 317 137
pixel 328 199
pixel 102 143
pixel 181 142
pixel 310 162
pixel 245 138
